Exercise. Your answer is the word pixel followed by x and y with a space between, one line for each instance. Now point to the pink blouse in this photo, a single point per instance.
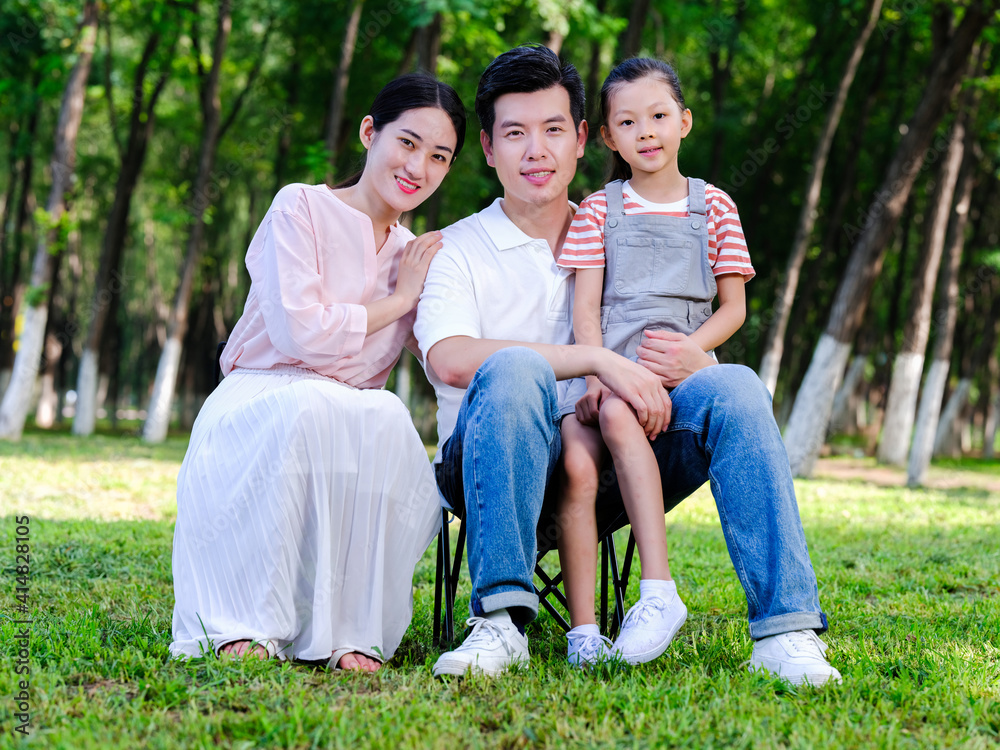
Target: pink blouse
pixel 312 267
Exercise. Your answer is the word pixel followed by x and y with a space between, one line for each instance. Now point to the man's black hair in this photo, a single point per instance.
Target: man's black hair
pixel 524 70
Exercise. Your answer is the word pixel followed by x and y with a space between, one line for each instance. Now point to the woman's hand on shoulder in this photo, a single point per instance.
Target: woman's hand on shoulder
pixel 413 265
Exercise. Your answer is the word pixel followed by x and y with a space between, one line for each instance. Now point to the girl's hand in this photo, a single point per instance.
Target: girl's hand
pixel 413 265
pixel 588 407
pixel 672 356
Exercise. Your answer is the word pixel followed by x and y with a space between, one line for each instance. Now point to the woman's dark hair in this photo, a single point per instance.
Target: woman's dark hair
pixel 524 70
pixel 413 91
pixel 628 71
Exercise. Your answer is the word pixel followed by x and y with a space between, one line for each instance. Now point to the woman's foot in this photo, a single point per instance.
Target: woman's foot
pixel 245 648
pixel 356 662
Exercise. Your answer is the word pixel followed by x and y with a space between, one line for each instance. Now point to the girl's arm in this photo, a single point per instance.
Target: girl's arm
pixel 727 320
pixel 587 330
pixel 587 306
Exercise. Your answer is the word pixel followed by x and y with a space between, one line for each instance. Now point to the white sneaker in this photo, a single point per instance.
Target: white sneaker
pixel 491 648
pixel 587 650
pixel 649 627
pixel 799 657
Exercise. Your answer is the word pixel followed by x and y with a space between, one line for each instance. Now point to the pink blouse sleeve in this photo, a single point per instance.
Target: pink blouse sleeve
pixel 300 322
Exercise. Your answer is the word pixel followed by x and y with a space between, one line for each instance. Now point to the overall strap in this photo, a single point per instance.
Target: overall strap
pixel 696 197
pixel 616 203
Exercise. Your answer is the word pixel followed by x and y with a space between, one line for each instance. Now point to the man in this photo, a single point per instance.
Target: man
pixel 495 325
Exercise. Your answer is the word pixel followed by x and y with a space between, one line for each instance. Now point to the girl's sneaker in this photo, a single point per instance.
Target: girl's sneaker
pixel 649 627
pixel 585 650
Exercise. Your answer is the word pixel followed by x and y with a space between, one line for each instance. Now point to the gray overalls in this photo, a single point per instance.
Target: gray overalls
pixel 656 272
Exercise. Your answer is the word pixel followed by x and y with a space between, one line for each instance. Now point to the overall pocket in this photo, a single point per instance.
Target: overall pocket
pixel 651 265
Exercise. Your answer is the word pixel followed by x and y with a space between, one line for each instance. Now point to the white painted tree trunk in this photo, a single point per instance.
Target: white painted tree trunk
pixel 4 380
pixel 86 394
pixel 403 378
pixel 900 408
pixel 990 429
pixel 770 365
pixel 17 397
pixel 844 403
pixel 927 423
pixel 806 430
pixel 158 416
pixel 946 440
pixel 48 402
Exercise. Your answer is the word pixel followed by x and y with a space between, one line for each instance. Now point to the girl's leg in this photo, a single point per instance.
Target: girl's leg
pixel 639 479
pixel 576 518
pixel 652 623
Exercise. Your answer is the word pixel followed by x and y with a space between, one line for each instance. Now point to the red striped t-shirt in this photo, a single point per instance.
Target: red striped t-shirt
pixel 727 248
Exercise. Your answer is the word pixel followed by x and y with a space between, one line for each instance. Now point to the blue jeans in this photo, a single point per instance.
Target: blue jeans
pixel 501 456
pixel 494 471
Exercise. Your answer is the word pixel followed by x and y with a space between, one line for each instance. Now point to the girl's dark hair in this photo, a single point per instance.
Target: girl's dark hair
pixel 628 71
pixel 525 70
pixel 413 91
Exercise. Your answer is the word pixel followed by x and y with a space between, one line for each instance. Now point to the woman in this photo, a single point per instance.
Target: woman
pixel 306 499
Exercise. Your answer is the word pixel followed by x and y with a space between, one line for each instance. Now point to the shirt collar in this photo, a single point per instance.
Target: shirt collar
pixel 503 232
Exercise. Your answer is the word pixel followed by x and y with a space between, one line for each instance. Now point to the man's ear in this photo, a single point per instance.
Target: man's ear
pixel 608 140
pixel 487 147
pixel 687 122
pixel 367 132
pixel 581 138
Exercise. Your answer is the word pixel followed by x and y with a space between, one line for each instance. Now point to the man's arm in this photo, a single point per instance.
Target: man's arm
pixel 456 359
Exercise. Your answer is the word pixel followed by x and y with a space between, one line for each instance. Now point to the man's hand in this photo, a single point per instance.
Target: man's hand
pixel 641 389
pixel 588 407
pixel 671 356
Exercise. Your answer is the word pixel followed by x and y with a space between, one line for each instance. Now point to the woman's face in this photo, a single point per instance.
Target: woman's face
pixel 409 157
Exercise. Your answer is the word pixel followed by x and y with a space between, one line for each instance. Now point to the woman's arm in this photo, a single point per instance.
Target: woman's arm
pixel 728 318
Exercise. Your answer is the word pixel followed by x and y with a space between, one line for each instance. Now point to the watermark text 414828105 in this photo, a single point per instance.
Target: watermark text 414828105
pixel 22 637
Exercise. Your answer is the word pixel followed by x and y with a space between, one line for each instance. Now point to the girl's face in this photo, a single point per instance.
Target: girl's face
pixel 409 157
pixel 646 126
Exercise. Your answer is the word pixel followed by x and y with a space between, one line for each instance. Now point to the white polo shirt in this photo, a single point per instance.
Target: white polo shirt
pixel 492 281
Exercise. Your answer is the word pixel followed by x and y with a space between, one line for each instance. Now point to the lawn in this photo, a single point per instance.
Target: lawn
pixel 910 581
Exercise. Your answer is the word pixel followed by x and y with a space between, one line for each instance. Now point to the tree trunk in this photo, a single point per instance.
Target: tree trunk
pixel 945 318
pixel 17 397
pixel 950 438
pixel 807 216
pixel 807 425
pixel 845 402
pixel 13 292
pixel 722 73
pixel 901 402
pixel 48 399
pixel 340 80
pixel 631 38
pixel 109 283
pixel 158 414
pixel 992 416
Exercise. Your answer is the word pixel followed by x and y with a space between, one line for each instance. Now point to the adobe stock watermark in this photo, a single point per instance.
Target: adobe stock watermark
pixel 867 216
pixel 377 22
pixel 785 127
pixel 893 18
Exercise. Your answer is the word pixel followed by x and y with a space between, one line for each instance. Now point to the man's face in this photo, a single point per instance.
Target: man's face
pixel 535 146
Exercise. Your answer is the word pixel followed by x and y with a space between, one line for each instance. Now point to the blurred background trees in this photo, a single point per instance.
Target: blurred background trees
pixel 194 113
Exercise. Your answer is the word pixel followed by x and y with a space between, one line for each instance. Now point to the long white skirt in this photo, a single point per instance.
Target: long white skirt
pixel 303 506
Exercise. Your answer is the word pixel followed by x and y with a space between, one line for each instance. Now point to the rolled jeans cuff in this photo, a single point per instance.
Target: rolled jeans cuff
pixel 788 623
pixel 506 600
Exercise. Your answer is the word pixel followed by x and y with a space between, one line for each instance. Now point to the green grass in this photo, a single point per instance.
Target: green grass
pixel 909 579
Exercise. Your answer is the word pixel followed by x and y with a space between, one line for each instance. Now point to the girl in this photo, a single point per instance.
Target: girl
pixel 306 498
pixel 651 251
